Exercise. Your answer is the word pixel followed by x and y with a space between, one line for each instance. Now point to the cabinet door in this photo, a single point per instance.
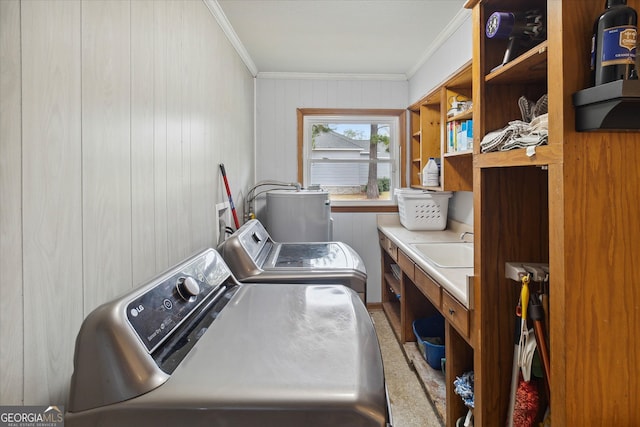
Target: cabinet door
pixel 455 313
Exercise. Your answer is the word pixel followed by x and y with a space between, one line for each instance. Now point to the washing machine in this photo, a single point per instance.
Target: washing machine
pixel 253 256
pixel 194 347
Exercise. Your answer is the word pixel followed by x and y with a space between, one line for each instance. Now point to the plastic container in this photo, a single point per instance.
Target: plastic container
pixel 423 210
pixel 426 330
pixel 431 174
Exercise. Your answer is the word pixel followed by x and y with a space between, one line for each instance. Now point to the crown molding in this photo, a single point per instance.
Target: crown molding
pixel 330 76
pixel 228 30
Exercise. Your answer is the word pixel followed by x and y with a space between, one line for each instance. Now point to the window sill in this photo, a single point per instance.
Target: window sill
pixel 360 206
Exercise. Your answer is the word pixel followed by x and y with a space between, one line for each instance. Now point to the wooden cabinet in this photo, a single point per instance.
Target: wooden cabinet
pixel 410 293
pixel 391 288
pixel 429 128
pixel 572 203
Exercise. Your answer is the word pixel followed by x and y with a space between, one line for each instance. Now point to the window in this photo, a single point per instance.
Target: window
pixel 352 154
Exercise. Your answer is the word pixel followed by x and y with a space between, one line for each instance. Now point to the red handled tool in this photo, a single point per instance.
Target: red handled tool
pixel 226 185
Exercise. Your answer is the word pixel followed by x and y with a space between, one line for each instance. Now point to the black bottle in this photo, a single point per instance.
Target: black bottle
pixel 592 58
pixel 615 44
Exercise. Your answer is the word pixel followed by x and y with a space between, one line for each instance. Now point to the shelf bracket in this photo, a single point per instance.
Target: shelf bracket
pixel 539 272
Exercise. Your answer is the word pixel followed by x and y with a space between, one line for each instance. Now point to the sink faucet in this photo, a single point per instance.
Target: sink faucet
pixel 464 234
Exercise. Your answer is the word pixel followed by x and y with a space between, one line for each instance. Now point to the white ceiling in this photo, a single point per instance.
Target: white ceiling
pixel 381 37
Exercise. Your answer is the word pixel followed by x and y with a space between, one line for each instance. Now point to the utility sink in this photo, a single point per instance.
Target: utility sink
pixel 447 254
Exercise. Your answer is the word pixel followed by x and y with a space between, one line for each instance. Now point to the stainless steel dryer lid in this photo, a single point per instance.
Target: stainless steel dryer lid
pixel 285 356
pixel 284 346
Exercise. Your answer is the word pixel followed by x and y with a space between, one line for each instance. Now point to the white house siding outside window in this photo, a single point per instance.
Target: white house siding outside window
pixel 337 156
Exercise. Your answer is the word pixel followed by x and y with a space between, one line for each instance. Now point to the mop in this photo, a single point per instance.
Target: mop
pixel 463 387
pixel 526 404
pixel 526 399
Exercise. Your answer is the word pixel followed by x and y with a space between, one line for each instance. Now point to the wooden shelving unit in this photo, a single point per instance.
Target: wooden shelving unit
pixel 429 120
pixel 573 204
pixel 391 286
pixel 391 303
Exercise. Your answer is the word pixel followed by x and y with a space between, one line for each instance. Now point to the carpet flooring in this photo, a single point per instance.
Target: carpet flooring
pixel 409 404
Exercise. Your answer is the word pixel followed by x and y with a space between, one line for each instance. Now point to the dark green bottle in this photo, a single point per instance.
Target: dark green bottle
pixel 615 42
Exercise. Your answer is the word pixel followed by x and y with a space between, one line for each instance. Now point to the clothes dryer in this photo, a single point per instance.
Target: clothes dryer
pixel 194 347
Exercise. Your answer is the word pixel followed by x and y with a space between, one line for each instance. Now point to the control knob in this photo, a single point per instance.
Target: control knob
pixel 187 288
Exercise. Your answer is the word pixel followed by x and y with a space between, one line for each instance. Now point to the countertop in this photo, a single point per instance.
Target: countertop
pixel 456 281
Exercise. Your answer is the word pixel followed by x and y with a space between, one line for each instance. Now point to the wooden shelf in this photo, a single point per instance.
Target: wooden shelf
pixel 465 153
pixel 432 380
pixel 424 187
pixel 465 115
pixel 544 155
pixel 528 67
pixel 459 174
pixel 391 286
pixel 393 283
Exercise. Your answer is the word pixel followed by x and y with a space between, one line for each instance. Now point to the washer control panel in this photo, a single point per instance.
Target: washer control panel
pixel 254 238
pixel 157 313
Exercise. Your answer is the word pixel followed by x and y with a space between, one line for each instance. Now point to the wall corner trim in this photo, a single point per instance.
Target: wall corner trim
pixel 225 25
pixel 452 27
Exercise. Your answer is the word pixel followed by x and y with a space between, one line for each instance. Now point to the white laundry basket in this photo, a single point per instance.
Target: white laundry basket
pixel 423 210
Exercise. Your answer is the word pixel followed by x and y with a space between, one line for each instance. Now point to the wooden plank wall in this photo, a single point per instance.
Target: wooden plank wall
pixel 51 193
pixel 11 331
pixel 114 117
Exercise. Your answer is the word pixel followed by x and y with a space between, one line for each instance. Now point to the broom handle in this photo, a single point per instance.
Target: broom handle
pixel 226 185
pixel 537 315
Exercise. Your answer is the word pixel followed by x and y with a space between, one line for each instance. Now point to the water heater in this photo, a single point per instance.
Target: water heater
pixel 299 216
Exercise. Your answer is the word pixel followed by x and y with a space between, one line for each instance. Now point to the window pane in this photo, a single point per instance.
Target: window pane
pixel 352 157
pixel 349 180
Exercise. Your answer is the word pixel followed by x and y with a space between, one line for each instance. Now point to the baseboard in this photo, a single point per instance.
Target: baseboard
pixel 374 306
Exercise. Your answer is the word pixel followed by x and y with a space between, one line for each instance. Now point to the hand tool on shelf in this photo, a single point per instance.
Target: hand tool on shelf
pixel 537 315
pixel 525 399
